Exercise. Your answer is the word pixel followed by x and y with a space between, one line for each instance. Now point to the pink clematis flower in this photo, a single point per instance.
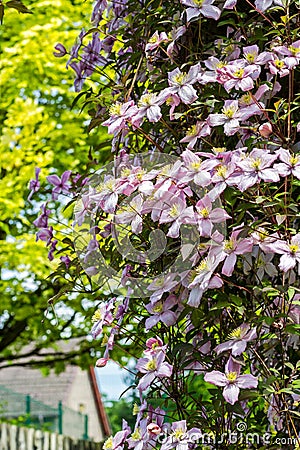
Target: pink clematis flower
pixel 201 129
pixel 207 216
pixel 161 312
pixel 230 249
pixel 155 41
pixel 290 164
pixel 181 85
pixel 149 106
pixel 195 169
pixel 236 76
pixel 201 279
pixel 103 316
pixel 290 253
pixel 278 66
pixel 180 437
pixel 238 339
pixel 204 7
pixel 231 380
pixel 120 115
pixel 61 185
pixel 229 117
pixel 131 213
pixel 161 285
pixel 263 5
pixel 256 167
pixel 291 53
pixel 178 214
pixel 153 367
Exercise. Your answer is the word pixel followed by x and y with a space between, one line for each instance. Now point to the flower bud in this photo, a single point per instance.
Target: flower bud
pixel 61 51
pixel 265 130
pixel 153 428
pixel 101 362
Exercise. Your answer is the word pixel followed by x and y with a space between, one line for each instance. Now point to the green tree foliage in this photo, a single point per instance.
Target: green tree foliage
pixel 38 128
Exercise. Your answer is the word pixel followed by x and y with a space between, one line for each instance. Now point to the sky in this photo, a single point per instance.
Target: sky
pixel 110 380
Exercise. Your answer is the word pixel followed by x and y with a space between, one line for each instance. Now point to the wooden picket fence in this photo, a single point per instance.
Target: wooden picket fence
pixel 21 438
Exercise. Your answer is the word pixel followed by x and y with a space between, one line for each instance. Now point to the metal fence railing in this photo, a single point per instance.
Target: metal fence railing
pixel 23 409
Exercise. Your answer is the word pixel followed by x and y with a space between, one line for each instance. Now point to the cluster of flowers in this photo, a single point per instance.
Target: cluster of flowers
pixel 261 166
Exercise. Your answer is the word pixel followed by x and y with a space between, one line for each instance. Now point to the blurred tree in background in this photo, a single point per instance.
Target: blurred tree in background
pixel 38 128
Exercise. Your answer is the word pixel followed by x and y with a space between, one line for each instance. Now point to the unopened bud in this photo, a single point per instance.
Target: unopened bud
pixel 153 428
pixel 101 362
pixel 265 130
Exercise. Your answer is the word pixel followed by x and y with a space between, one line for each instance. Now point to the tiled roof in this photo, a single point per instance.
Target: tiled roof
pixel 49 390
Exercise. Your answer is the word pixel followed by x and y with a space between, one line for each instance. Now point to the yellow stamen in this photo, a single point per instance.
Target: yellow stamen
pixel 151 365
pixel 236 334
pixel 293 248
pixel 158 307
pixel 97 316
pixel 239 73
pixel 231 376
pixel 115 110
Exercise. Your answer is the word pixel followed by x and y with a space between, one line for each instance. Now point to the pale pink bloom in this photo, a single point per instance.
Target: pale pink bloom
pixel 201 129
pixel 131 213
pixel 231 380
pixel 180 438
pixel 210 76
pixel 172 100
pixel 195 169
pixel 161 285
pixel 153 367
pixel 136 178
pixel 229 250
pixel 238 339
pixel 290 252
pixel 201 279
pixel 161 312
pixel 256 167
pixel 264 240
pixel 181 84
pixel 204 7
pixel 175 34
pixel 120 115
pixel 117 441
pixel 154 345
pixel 81 209
pixel 252 55
pixel 263 5
pixel 178 214
pixel 290 164
pixel 106 194
pixel 229 117
pixel 230 4
pixel 155 41
pixel 249 103
pixel 277 66
pixel 207 216
pixel 103 316
pixel 238 77
pixel 149 106
pixel 224 175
